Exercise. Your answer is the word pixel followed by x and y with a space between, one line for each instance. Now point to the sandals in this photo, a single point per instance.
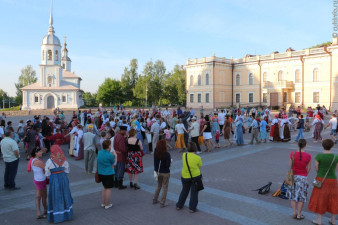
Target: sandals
pixel 39 217
pixel 315 222
pixel 330 222
pixel 300 217
pixel 294 216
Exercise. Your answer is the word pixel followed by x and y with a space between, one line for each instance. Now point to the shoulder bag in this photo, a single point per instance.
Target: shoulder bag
pixel 318 184
pixel 157 172
pixel 196 181
pixel 97 177
pixel 289 175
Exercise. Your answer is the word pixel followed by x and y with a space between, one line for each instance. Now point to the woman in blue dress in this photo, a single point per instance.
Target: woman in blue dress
pixel 60 200
pixel 239 130
pixel 214 125
pixel 139 135
pixel 263 133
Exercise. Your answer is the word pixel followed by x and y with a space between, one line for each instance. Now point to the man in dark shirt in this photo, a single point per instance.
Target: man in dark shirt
pixel 120 146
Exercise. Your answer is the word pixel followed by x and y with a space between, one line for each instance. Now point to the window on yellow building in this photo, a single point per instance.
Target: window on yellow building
pixel 191 80
pixel 316 75
pixel 280 75
pixel 297 97
pixel 238 80
pixel 315 97
pixel 206 79
pixel 265 97
pixel 207 97
pixel 199 82
pixel 251 97
pixel 297 76
pixel 238 98
pixel 251 78
pixel 199 98
pixel 191 97
pixel 36 99
pixel 265 77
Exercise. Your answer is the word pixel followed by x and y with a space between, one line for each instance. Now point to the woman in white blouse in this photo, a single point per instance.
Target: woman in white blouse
pixel 180 129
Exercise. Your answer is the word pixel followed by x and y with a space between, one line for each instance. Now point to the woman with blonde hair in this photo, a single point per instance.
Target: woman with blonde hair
pixel 180 129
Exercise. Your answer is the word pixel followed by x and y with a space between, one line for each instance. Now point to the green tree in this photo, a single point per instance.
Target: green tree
pixel 129 79
pixel 110 92
pixel 322 44
pixel 3 98
pixel 90 99
pixel 27 77
pixel 153 76
pixel 174 87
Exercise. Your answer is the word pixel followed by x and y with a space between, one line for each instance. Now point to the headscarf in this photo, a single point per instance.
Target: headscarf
pixel 318 117
pixel 276 116
pixel 57 155
pixel 284 117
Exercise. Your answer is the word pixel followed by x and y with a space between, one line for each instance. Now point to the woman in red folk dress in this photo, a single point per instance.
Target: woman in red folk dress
pixel 274 130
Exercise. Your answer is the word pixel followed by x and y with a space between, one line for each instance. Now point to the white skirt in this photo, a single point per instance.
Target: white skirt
pixel 207 135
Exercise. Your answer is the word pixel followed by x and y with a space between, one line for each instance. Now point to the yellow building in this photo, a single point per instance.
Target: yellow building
pixel 306 78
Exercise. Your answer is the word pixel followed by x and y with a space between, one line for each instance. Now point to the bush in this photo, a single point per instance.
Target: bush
pixel 16 108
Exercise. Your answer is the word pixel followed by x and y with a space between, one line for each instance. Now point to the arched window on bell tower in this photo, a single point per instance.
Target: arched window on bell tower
pixel 50 80
pixel 56 55
pixel 50 55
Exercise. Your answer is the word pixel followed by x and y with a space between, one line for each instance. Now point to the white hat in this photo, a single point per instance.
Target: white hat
pixel 194 118
pixel 154 120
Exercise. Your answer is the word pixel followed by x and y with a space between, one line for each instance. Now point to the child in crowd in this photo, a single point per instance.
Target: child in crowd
pixel 167 137
pixel 217 139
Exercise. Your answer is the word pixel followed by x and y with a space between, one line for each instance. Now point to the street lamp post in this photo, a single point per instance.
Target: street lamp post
pixel 146 95
pixel 3 101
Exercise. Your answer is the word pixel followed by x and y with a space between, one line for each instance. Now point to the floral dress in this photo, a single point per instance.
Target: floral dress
pixel 134 159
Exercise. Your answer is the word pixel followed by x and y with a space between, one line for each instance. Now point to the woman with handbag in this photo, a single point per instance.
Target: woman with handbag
pixel 106 172
pixel 37 166
pixel 324 197
pixel 191 178
pixel 300 163
pixel 162 162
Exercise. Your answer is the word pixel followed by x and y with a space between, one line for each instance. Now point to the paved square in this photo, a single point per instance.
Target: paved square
pixel 229 176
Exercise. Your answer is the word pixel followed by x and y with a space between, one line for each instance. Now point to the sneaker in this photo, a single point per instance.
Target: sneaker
pixel 108 206
pixel 103 205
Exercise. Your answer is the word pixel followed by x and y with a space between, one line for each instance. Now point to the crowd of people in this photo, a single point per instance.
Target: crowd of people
pixel 113 143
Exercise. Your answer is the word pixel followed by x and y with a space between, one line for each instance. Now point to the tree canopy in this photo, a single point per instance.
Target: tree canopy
pixel 27 77
pixel 152 86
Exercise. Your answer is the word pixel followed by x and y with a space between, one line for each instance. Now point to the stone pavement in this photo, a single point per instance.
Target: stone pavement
pixel 229 177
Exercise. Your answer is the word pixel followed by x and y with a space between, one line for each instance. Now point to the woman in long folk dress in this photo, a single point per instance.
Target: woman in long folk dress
pixel 60 200
pixel 227 129
pixel 274 131
pixel 239 129
pixel 286 128
pixel 318 124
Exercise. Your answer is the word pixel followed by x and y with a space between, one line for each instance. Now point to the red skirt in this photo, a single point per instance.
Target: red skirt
pixel 325 199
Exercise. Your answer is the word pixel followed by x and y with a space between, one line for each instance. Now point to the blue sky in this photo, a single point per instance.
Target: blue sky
pixel 104 35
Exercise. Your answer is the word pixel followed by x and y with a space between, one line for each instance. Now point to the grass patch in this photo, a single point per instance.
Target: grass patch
pixel 16 108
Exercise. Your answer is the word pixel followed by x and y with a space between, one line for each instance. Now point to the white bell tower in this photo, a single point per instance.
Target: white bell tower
pixel 50 67
pixel 65 61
